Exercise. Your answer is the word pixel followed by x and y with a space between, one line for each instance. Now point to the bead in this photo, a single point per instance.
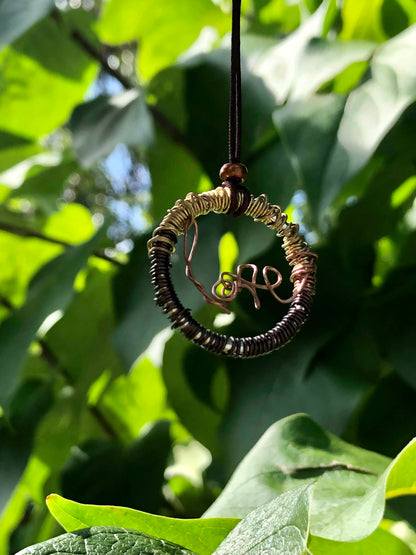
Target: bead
pixel 233 171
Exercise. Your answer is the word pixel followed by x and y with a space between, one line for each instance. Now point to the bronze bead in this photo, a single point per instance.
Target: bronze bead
pixel 233 171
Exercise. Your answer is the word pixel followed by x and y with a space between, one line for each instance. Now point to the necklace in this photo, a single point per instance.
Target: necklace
pixel 234 199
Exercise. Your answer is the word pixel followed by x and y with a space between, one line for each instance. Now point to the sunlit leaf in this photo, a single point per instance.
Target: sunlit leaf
pixel 200 535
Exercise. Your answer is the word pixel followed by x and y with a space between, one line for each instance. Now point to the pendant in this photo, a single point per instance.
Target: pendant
pixel 232 198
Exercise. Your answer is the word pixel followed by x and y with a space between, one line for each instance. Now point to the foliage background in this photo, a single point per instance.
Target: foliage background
pixel 111 111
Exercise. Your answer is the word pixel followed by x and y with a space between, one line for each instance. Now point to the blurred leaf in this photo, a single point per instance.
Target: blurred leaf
pixel 325 59
pixel 396 298
pixel 278 66
pixel 396 14
pixel 20 259
pixel 194 96
pixel 401 530
pixel 16 16
pixel 105 540
pixel 201 419
pixel 164 30
pixel 50 290
pixel 14 149
pixel 200 535
pixel 89 321
pixel 362 20
pixel 280 526
pixel 71 224
pixel 29 405
pixel 174 171
pixel 132 401
pixel 385 420
pixel 352 133
pixel 45 187
pixel 380 541
pixel 35 97
pixel 104 472
pixel 101 124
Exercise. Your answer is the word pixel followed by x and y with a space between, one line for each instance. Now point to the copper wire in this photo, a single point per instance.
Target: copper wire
pixel 303 262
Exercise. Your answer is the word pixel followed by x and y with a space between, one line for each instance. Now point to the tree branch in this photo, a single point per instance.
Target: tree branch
pixel 53 362
pixel 174 132
pixel 33 233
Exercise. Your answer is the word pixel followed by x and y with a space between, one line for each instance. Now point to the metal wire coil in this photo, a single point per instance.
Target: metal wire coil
pixel 297 253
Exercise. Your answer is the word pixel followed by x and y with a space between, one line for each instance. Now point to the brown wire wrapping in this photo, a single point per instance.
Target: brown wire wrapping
pixel 297 252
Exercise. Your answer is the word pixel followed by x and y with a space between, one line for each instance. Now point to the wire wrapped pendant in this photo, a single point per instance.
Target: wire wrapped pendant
pixel 302 261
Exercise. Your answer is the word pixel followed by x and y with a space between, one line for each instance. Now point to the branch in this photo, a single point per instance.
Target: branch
pixel 97 54
pixel 53 362
pixel 26 232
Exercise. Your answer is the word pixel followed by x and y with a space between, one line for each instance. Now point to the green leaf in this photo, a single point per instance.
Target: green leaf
pixel 174 173
pixel 38 92
pixel 352 481
pixel 380 542
pixel 323 60
pixel 14 149
pixel 281 526
pixel 201 419
pixel 164 30
pixel 105 540
pixel 278 66
pixel 45 186
pixel 362 20
pixel 127 404
pixel 50 290
pixel 352 134
pixel 105 472
pixel 17 15
pixel 100 124
pixel 29 405
pixel 200 535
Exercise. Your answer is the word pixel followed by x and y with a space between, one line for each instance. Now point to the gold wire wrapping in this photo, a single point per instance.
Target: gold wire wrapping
pixel 185 211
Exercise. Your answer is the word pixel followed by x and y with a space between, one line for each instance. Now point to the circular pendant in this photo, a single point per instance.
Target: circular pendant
pixel 298 255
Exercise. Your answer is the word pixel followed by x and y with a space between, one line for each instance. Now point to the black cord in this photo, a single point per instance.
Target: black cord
pixel 234 122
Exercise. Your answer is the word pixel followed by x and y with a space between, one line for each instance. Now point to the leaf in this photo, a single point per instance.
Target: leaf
pixel 200 92
pixel 163 30
pixel 127 403
pixel 50 290
pixel 323 60
pixel 105 540
pixel 46 186
pixel 16 16
pixel 105 472
pixel 350 135
pixel 380 542
pixel 36 96
pixel 362 20
pixel 174 173
pixel 99 125
pixel 352 483
pixel 278 66
pixel 29 405
pixel 14 149
pixel 199 418
pixel 200 535
pixel 281 526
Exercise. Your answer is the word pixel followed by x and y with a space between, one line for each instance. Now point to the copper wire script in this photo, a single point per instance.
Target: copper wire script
pixel 229 285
